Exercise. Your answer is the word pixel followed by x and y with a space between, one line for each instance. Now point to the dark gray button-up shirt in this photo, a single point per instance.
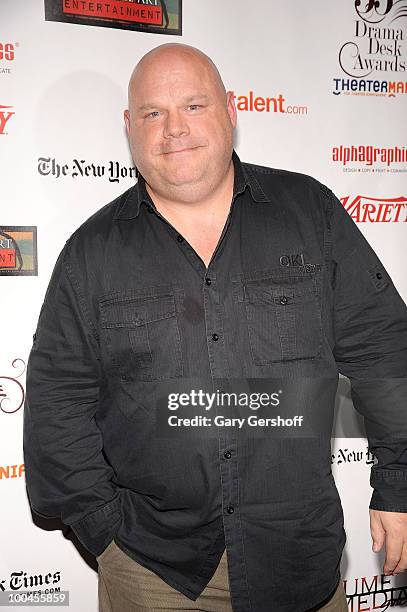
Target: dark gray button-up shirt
pixel 293 296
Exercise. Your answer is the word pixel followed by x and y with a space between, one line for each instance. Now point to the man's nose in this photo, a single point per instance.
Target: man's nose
pixel 175 124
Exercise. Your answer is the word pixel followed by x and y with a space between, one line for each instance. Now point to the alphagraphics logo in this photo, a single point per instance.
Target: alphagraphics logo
pixel 367 158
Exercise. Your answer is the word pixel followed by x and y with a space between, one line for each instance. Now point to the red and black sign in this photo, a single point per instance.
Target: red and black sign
pixel 154 16
pixel 18 250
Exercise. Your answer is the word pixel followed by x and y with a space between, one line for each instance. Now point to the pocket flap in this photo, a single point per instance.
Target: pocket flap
pixel 134 311
pixel 281 294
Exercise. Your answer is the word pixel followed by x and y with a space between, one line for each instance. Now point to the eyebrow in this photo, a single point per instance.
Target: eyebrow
pixel 186 100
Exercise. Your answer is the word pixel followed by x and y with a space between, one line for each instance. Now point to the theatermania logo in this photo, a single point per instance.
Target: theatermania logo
pixel 378 46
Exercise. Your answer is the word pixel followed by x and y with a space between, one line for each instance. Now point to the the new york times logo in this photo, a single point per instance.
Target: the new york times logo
pixel 21 580
pixel 112 171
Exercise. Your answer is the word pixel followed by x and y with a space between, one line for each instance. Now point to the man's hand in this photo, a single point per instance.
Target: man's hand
pixel 390 527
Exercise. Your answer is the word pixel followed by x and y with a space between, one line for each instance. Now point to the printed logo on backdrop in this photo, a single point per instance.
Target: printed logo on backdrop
pixel 11 390
pixel 370 159
pixel 348 456
pixel 6 113
pixel 250 102
pixel 366 209
pixel 377 49
pixel 18 250
pixel 155 16
pixel 7 56
pixel 376 592
pixel 23 581
pixel 112 171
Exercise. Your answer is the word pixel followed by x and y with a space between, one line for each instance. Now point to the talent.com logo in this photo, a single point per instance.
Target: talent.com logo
pixel 260 104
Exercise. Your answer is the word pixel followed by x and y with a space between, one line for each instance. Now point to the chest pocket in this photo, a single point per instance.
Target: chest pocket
pixel 140 335
pixel 283 319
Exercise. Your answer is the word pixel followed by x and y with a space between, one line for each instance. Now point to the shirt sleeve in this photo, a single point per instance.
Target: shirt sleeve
pixel 67 475
pixel 370 331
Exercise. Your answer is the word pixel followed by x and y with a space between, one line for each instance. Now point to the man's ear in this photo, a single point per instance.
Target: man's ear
pixel 126 116
pixel 231 107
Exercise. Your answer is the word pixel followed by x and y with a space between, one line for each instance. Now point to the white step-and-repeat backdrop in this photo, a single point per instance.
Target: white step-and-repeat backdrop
pixel 320 88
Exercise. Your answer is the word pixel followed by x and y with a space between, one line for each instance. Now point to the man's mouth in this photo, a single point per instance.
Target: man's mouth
pixel 180 150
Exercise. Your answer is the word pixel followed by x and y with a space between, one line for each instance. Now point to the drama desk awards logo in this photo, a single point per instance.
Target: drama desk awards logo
pixel 378 47
pixel 155 16
pixel 18 250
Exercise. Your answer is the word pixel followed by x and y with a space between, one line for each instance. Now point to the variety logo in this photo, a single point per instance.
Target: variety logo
pixel 371 159
pixel 11 390
pixel 378 46
pixel 80 168
pixel 18 250
pixel 267 104
pixel 158 16
pixel 365 209
pixel 5 116
pixel 12 471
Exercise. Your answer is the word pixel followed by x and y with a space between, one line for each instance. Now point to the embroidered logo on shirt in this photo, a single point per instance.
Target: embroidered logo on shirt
pixel 292 260
pixel 297 260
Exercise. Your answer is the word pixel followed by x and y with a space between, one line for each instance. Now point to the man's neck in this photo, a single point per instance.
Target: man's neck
pixel 206 210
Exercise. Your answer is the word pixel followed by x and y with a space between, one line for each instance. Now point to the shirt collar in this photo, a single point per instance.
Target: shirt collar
pixel 129 207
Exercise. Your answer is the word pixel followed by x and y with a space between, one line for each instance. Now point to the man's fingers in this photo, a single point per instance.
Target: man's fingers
pixel 377 532
pixel 394 548
pixel 402 564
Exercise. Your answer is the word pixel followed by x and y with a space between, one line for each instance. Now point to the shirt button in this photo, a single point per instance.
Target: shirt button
pixel 283 299
pixel 230 509
pixel 227 454
pixel 180 238
pixel 208 281
pixel 215 337
pixel 150 208
pixel 379 275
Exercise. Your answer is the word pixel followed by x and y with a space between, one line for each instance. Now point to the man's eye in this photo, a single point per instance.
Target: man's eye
pixel 152 114
pixel 194 106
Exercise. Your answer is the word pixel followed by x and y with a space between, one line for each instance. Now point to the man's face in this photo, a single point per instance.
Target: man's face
pixel 180 125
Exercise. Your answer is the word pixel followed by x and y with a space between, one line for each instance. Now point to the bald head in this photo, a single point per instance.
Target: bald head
pixel 168 54
pixel 180 122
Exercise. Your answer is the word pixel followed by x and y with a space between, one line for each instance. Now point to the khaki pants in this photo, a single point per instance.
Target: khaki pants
pixel 126 586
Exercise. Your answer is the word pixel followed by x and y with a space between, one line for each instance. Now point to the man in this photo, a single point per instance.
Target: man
pixel 212 274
